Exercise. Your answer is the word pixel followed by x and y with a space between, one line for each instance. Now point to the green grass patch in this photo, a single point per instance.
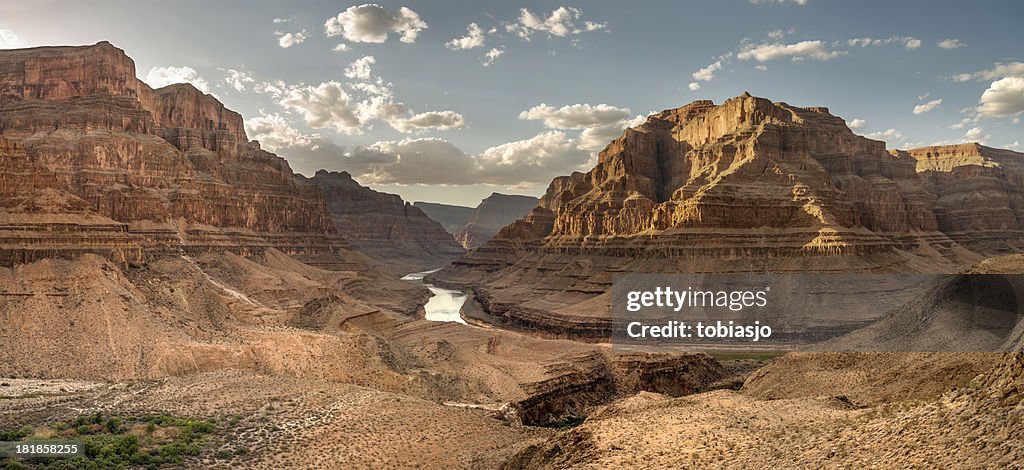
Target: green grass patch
pixel 115 443
pixel 567 423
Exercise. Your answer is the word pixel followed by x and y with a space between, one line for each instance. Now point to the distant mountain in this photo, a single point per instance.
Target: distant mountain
pixel 471 227
pixel 452 218
pixel 383 226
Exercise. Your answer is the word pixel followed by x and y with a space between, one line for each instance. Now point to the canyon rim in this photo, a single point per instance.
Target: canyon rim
pixel 398 236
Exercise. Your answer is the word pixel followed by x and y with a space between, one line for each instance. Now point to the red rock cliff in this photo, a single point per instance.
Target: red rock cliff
pixel 120 169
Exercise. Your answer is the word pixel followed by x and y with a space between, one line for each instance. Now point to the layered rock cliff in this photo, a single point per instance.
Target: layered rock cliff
pixel 452 218
pixel 493 213
pixel 94 160
pixel 472 227
pixel 383 225
pixel 979 194
pixel 745 186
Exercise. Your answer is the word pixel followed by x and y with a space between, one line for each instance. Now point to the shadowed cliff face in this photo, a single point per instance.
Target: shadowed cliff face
pixel 745 186
pixel 472 227
pixel 383 225
pixel 493 213
pixel 121 169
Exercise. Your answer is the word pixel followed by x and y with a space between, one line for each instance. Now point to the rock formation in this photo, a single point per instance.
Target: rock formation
pixel 383 225
pixel 745 186
pixel 472 227
pixel 452 218
pixel 94 160
pixel 979 194
pixel 493 213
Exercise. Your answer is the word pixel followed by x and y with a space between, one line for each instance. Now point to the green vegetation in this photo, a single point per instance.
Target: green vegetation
pixel 569 422
pixel 113 443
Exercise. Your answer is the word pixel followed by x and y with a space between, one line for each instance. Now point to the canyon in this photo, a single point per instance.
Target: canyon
pixel 154 261
pixel 146 240
pixel 384 226
pixel 472 227
pixel 745 187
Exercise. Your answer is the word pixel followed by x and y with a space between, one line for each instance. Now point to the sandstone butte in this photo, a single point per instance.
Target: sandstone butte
pixel 747 186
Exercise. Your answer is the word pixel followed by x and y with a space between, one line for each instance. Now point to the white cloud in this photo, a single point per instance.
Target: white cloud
pixel 282 20
pixel 857 124
pixel 576 116
pixel 694 86
pixel 561 23
pixel 492 55
pixel 761 67
pixel 372 23
pixel 8 39
pixel 707 74
pixel 976 134
pixel 1003 98
pixel 600 123
pixel 274 132
pixel 435 120
pixel 597 138
pixel 361 68
pixel 1014 145
pixel 908 42
pixel 326 105
pixel 534 160
pixel 474 38
pixel 817 50
pixel 159 77
pixel 998 70
pixel 340 48
pixel 435 161
pixel 963 122
pixel 886 135
pixel 287 40
pixel 349 108
pixel 927 107
pixel 951 44
pixel 237 79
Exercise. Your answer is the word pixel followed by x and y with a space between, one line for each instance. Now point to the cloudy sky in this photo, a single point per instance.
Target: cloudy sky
pixel 450 101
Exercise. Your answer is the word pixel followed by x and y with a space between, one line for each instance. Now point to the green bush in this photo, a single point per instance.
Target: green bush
pixel 16 435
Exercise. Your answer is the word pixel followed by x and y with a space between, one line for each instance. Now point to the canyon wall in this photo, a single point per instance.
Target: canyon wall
pixel 452 218
pixel 747 186
pixel 493 213
pixel 472 227
pixel 94 160
pixel 383 225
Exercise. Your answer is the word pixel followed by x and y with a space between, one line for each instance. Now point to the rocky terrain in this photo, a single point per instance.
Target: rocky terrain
pixel 493 213
pixel 452 218
pixel 384 226
pixel 473 227
pixel 155 265
pixel 95 161
pixel 975 425
pixel 747 186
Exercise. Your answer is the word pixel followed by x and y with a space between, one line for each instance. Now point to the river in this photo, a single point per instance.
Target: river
pixel 444 304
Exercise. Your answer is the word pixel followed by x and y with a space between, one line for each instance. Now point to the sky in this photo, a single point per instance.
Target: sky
pixel 450 101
